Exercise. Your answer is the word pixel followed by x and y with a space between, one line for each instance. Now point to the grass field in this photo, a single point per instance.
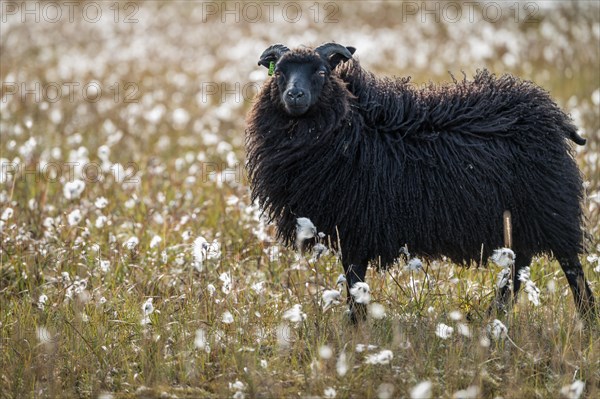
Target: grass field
pixel 134 266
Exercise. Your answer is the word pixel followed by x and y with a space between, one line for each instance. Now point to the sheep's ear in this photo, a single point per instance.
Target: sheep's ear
pixel 336 59
pixel 272 54
pixel 335 53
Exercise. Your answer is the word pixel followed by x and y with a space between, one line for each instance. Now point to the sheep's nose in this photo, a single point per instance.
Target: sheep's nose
pixel 295 93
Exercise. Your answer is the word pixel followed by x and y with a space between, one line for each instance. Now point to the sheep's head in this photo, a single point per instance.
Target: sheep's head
pixel 301 74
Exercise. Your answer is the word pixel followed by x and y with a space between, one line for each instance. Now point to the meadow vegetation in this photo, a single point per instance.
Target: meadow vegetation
pixel 134 266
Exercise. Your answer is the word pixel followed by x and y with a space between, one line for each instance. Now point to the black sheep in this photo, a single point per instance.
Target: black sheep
pixel 378 164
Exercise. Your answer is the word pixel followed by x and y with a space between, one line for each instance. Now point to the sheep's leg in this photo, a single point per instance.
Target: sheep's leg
pixel 355 274
pixel 502 300
pixel 584 299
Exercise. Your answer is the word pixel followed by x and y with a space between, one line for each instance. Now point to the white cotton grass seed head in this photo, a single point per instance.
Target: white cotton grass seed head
pixel 383 357
pixel 101 221
pixel 503 277
pixel 202 250
pixel 200 340
pixel 596 94
pixel 156 240
pixel 7 214
pixel 26 150
pixel 103 152
pixel 158 218
pixel 331 298
pixel 305 229
pixel 414 264
pixel 443 331
pixel 455 315
pixel 533 292
pixel 318 251
pixel 73 189
pixel 214 250
pixel 385 391
pixel 574 390
pixel 180 117
pixel 100 202
pixel 484 342
pixel 503 257
pixel 227 317
pixel 239 387
pixel 362 347
pixel 551 286
pixel 497 330
pixel 258 287
pixel 329 393
pixel 74 218
pixel 524 274
pixel 148 307
pixel 104 266
pixel 341 366
pixel 199 248
pixel 471 392
pixel 48 223
pixel 227 283
pixel 463 329
pixel 361 293
pixel 421 391
pixel 131 243
pixel 295 314
pixel 211 289
pixel 129 204
pixel 325 352
pixel 42 301
pixel 377 310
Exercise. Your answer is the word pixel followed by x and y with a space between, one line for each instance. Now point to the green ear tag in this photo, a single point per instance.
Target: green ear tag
pixel 271 68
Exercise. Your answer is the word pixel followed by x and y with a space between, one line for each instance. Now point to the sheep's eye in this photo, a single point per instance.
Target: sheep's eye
pixel 278 74
pixel 321 73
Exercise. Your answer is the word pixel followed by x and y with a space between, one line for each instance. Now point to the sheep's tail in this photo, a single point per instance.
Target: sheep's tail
pixel 577 139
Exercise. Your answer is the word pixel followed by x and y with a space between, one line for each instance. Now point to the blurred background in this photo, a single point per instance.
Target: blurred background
pixel 122 158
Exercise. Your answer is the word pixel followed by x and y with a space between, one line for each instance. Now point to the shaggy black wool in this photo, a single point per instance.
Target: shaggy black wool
pixel 385 164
